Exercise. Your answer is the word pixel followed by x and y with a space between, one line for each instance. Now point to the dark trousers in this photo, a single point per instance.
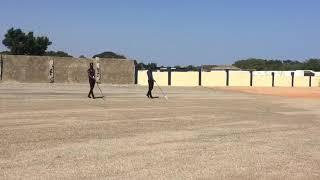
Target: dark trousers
pixel 151 83
pixel 92 83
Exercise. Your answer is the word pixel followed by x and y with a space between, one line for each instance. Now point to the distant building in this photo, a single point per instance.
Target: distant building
pixel 219 68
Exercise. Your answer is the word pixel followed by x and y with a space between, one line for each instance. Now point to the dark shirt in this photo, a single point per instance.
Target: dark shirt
pixel 91 74
pixel 150 76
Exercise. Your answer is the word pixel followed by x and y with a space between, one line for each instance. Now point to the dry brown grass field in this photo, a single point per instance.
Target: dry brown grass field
pixel 53 131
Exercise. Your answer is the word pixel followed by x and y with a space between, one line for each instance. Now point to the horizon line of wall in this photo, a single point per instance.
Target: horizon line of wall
pixel 45 69
pixel 231 78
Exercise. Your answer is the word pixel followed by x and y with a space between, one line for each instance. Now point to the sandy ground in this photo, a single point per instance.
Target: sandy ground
pixel 303 92
pixel 52 131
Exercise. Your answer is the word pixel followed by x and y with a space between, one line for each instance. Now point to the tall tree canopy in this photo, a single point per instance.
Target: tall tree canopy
pixel 312 64
pixel 20 43
pixel 109 54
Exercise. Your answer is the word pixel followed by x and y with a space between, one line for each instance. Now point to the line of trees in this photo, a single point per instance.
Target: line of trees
pixel 278 65
pixel 142 66
pixel 57 54
pixel 25 43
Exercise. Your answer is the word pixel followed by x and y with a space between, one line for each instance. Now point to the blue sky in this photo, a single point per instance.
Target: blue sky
pixel 171 32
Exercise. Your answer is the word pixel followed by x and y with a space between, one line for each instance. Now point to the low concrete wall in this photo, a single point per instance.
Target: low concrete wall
pixel 184 78
pixel 70 70
pixel 262 81
pixel 142 78
pixel 36 69
pixel 117 71
pixel 160 77
pixel 236 78
pixel 301 81
pixel 214 78
pixel 315 81
pixel 239 78
pixel 282 81
pixel 25 68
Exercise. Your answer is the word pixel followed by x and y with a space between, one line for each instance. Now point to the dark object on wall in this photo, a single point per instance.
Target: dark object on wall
pixel 308 73
pixel 310 81
pixel 135 72
pixel 51 71
pixel 272 79
pixel 1 67
pixel 200 70
pixel 292 79
pixel 227 79
pixel 169 76
pixel 251 78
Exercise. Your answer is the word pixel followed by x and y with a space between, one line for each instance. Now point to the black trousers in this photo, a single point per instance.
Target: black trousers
pixel 151 83
pixel 92 83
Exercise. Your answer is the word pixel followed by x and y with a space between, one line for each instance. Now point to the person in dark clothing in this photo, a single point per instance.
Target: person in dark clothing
pixel 150 82
pixel 92 80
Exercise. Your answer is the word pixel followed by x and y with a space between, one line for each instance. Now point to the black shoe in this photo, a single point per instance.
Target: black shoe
pixel 89 96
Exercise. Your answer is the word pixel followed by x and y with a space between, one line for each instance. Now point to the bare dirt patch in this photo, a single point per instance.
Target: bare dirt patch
pixel 53 131
pixel 309 93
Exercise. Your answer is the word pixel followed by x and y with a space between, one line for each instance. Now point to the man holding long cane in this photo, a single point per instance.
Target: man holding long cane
pixel 150 83
pixel 92 80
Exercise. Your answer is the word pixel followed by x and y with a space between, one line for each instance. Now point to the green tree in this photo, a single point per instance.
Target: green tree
pixel 251 63
pixel 141 66
pixel 275 65
pixel 278 65
pixel 82 56
pixel 20 43
pixel 57 54
pixel 312 64
pixel 109 54
pixel 192 68
pixel 292 65
pixel 152 66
